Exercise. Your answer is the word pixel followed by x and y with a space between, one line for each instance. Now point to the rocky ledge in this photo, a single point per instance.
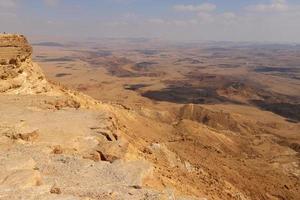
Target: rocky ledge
pixel 13 48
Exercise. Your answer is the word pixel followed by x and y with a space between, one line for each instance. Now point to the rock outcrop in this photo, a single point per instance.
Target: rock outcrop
pixel 14 48
pixel 214 119
pixel 18 74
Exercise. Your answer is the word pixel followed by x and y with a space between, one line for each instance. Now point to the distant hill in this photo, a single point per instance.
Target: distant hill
pixel 49 44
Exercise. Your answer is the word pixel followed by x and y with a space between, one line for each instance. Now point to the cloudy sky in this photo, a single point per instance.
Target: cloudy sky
pixel 225 20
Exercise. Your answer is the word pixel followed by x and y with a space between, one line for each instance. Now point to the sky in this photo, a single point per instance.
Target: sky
pixel 186 20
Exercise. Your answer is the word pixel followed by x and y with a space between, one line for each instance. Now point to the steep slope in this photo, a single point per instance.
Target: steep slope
pixel 60 144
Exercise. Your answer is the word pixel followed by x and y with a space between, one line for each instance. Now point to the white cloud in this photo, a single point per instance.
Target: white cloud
pixel 206 7
pixel 273 6
pixel 204 14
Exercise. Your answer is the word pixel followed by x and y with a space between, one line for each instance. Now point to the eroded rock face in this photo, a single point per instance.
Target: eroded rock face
pixel 218 120
pixel 14 49
pixel 18 74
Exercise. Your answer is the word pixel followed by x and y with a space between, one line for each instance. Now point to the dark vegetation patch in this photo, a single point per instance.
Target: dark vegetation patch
pixel 148 52
pixel 277 69
pixel 115 67
pixel 224 65
pixel 214 49
pixel 96 53
pixel 287 72
pixel 61 59
pixel 203 89
pixel 103 53
pixel 261 54
pixel 295 146
pixel 287 110
pixel 135 87
pixel 283 105
pixel 186 94
pixel 48 44
pixel 164 55
pixel 62 74
pixel 123 73
pixel 143 66
pixel 189 60
pixel 198 88
pixel 108 62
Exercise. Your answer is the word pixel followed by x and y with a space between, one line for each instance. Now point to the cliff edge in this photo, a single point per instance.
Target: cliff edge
pixel 18 74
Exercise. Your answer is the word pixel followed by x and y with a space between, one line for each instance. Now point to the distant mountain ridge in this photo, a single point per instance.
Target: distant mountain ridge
pixel 48 44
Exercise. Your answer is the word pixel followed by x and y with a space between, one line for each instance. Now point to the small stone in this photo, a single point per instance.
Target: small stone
pixel 55 190
pixel 147 150
pixel 95 156
pixel 57 150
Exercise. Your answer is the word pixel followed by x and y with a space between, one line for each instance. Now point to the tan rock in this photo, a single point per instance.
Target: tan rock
pixel 55 190
pixel 23 179
pixel 16 161
pixel 31 136
pixel 57 149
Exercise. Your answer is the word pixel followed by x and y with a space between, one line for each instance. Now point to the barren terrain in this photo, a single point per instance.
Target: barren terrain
pixel 150 119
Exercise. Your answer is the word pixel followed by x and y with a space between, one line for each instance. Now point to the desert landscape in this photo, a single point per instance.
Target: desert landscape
pixel 148 119
pixel 149 100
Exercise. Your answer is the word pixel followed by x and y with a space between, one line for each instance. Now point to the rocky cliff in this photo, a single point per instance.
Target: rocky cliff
pixel 14 48
pixel 18 74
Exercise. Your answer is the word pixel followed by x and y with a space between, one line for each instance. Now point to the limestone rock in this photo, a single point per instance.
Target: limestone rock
pixel 13 49
pixel 217 120
pixel 16 161
pixel 23 179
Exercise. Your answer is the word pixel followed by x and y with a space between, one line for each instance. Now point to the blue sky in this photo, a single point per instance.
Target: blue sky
pixel 226 20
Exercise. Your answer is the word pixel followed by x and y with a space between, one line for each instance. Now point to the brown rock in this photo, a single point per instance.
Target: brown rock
pixel 29 137
pixel 95 156
pixel 57 150
pixel 55 190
